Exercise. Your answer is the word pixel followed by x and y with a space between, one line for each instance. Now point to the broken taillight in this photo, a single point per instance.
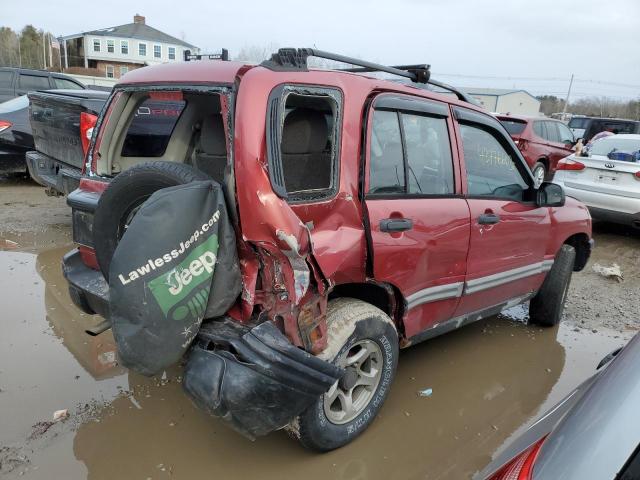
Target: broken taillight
pixel 4 124
pixel 570 164
pixel 521 467
pixel 87 123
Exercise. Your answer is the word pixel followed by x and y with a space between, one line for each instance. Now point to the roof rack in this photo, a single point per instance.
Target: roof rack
pixel 296 59
pixel 223 55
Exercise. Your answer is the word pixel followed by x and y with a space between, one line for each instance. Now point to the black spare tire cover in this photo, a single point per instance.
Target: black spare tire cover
pixel 175 265
pixel 125 194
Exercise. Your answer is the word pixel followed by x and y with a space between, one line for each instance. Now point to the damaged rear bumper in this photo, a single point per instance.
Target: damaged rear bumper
pixel 254 379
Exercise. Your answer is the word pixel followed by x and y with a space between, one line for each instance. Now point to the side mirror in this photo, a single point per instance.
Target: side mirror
pixel 550 195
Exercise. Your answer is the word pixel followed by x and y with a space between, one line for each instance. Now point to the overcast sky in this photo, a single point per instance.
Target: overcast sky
pixel 534 45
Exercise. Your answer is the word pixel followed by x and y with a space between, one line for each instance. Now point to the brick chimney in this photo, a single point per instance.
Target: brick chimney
pixel 137 18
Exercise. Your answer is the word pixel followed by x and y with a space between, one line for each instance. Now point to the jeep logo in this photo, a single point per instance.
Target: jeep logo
pixel 609 165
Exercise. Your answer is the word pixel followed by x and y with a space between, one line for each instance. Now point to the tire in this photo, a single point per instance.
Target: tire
pixel 539 173
pixel 125 194
pixel 546 307
pixel 353 327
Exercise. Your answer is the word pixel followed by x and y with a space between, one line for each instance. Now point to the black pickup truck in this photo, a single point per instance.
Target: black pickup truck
pixel 62 123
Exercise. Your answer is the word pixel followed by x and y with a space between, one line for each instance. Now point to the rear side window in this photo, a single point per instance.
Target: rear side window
pixel 151 127
pixel 620 127
pixel 491 172
pixel 5 79
pixel 410 153
pixel 566 136
pixel 514 127
pixel 303 130
pixel 33 82
pixel 579 122
pixel 64 83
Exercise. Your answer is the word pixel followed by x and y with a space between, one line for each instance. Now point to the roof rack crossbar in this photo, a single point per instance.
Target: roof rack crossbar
pixel 292 58
pixel 297 58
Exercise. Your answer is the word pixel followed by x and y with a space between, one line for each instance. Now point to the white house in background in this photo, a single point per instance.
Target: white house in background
pixel 112 52
pixel 502 100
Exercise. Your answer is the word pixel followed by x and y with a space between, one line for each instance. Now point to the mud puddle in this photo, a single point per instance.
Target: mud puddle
pixel 488 380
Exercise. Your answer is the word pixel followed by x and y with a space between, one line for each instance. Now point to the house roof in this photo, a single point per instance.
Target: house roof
pixel 138 31
pixel 494 92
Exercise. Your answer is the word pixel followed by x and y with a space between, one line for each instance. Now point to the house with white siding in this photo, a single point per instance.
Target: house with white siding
pixel 112 52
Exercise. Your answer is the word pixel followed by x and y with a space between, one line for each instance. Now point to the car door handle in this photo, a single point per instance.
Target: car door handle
pixel 396 224
pixel 488 219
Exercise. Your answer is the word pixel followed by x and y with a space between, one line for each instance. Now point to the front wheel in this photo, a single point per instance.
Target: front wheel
pixel 546 307
pixel 363 341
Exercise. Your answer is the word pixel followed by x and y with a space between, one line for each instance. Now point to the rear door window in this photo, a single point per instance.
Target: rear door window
pixel 33 82
pixel 552 132
pixel 387 163
pixel 514 127
pixel 540 130
pixel 66 84
pixel 151 128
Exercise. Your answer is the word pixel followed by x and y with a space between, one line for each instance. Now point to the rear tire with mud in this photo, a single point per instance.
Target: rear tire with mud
pixel 546 307
pixel 125 194
pixel 364 341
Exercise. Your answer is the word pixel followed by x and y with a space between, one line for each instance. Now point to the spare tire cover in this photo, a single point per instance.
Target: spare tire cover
pixel 176 265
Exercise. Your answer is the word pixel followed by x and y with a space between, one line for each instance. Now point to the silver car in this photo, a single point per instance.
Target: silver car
pixel 594 433
pixel 607 180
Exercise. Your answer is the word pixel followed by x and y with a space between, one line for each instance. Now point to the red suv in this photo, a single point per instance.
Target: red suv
pixel 368 216
pixel 542 141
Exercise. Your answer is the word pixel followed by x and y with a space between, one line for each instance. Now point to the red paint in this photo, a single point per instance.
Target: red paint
pixel 535 148
pixel 327 239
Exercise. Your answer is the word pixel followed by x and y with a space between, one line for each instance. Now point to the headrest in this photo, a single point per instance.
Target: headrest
pixel 212 139
pixel 304 131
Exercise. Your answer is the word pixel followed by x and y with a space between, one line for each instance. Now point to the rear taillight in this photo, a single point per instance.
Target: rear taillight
pixel 637 174
pixel 570 164
pixel 521 467
pixel 522 144
pixel 4 125
pixel 87 122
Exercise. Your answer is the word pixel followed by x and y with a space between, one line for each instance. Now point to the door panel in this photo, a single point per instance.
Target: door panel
pixel 505 258
pixel 418 261
pixel 508 232
pixel 418 220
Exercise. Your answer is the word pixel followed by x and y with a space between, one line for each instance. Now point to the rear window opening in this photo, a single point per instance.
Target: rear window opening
pixel 514 127
pixel 175 126
pixel 579 122
pixel 306 147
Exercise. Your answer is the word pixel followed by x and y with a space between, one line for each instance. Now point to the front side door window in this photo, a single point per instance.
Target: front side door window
pixel 491 171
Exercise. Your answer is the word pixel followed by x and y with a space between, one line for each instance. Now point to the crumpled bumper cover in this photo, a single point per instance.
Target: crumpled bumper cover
pixel 254 379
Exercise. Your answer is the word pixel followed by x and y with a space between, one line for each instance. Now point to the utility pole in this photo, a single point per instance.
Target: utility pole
pixel 566 100
pixel 44 52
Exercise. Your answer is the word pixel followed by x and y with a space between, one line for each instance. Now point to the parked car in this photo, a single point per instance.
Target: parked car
pixel 18 81
pixel 542 142
pixel 586 127
pixel 607 180
pixel 593 433
pixel 363 224
pixel 62 123
pixel 15 135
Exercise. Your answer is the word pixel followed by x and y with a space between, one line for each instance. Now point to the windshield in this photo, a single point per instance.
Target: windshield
pixel 607 145
pixel 580 122
pixel 514 127
pixel 14 104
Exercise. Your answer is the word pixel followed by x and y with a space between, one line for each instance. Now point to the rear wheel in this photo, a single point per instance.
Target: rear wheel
pixel 546 307
pixel 539 173
pixel 363 341
pixel 125 195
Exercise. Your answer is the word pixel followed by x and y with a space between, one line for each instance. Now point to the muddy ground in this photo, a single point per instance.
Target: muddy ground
pixel 489 380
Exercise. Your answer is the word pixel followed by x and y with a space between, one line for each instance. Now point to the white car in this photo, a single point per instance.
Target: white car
pixel 607 180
